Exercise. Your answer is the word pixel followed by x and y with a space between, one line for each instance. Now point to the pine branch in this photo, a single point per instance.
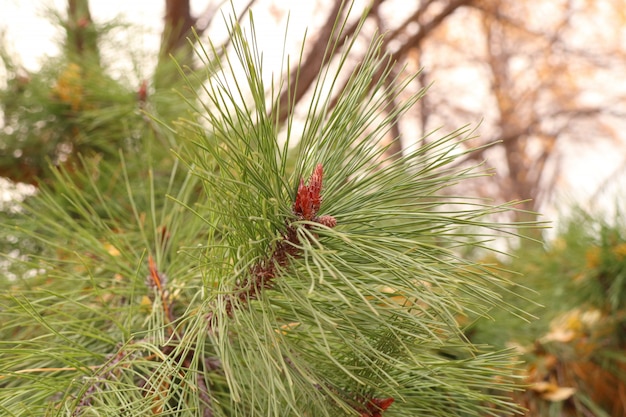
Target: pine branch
pixel 262 274
pixel 325 279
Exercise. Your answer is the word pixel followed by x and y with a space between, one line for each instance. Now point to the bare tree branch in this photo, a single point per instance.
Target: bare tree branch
pixel 414 41
pixel 221 50
pixel 395 149
pixel 301 79
pixel 204 20
pixel 426 28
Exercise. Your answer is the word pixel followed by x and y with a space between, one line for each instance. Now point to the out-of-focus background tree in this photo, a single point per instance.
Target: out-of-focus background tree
pixel 543 80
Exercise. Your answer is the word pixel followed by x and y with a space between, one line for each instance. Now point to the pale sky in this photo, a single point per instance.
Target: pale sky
pixel 32 35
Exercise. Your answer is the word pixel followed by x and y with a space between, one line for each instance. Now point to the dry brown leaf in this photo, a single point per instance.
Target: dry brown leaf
pixel 560 335
pixel 551 391
pixel 560 394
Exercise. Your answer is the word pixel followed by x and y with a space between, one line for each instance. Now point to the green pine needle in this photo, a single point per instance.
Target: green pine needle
pixel 203 291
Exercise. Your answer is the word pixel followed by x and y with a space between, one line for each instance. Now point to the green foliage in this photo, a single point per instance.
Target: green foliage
pixel 238 285
pixel 73 106
pixel 604 284
pixel 65 109
pixel 575 351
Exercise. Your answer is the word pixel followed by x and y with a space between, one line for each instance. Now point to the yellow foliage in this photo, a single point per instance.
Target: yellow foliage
pixel 69 86
pixel 593 257
pixel 620 251
pixel 146 304
pixel 112 250
pixel 394 297
pixel 574 325
pixel 284 329
pixel 551 391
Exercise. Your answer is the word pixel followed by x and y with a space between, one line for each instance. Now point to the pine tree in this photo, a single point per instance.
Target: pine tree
pixel 261 271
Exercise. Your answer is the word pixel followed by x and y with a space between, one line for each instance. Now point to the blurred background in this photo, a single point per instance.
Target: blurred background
pixel 542 80
pixel 541 83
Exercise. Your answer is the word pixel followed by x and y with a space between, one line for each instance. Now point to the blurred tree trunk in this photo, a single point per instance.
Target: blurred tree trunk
pixel 178 38
pixel 81 35
pixel 523 173
pixel 178 24
pixel 177 28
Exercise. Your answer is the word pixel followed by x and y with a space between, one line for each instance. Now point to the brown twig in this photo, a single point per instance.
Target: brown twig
pixel 107 374
pixel 262 274
pixel 158 281
pixel 367 406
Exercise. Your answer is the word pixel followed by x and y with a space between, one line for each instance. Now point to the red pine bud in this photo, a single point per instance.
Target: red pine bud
pixel 142 92
pixel 309 198
pixel 376 406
